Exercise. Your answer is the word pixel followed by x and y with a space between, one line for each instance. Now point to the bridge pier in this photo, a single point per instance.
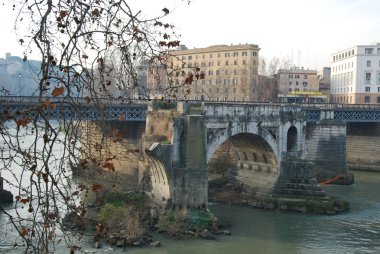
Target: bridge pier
pixel 177 154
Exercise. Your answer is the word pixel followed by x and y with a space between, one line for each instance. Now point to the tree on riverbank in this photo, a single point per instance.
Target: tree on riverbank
pixel 87 48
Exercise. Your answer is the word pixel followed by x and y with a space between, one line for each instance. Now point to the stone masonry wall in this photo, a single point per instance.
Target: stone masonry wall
pixel 363 146
pixel 326 149
pixel 115 146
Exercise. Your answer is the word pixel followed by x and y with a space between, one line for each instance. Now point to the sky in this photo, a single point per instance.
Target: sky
pixel 307 32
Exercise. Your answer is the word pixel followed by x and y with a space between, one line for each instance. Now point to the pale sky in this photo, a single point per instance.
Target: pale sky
pixel 307 31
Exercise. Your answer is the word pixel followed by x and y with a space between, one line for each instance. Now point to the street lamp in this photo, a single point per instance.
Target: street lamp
pixel 19 85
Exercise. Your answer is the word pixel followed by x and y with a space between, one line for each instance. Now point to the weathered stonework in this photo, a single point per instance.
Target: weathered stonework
pixel 363 146
pixel 114 146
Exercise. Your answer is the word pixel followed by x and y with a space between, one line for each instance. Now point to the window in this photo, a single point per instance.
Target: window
pixel 218 55
pixel 290 89
pixel 305 76
pixel 210 81
pixel 226 72
pixel 297 76
pixel 296 83
pixel 368 63
pixel 290 76
pixel 236 54
pixel 217 72
pixel 235 72
pixel 254 54
pixel 235 62
pixel 368 51
pixel 226 63
pixel 304 83
pixel 290 83
pixel 189 58
pixel 367 77
pixel 368 89
pixel 244 62
pixel 226 81
pixel 378 99
pixel 218 63
pixel 244 53
pixel 227 54
pixel 378 51
pixel 210 72
pixel 367 99
pixel 378 89
pixel 184 58
pixel 234 81
pixel 218 81
pixel 378 78
pixel 210 64
pixel 353 52
pixel 254 62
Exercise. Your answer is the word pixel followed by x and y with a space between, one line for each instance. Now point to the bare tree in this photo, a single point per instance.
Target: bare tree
pixel 90 48
pixel 274 64
pixel 262 66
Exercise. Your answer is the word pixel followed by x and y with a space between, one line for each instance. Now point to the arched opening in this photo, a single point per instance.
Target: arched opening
pixel 291 144
pixel 243 166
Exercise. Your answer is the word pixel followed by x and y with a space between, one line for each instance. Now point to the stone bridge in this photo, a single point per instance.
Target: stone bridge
pixel 269 145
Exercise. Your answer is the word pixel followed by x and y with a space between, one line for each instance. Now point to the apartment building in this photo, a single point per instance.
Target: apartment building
pixel 230 72
pixel 298 85
pixel 355 75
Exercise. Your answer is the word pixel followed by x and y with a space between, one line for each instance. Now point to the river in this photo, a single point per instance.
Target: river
pixel 263 231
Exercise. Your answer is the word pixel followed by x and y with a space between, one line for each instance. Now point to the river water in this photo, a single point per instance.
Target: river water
pixel 263 231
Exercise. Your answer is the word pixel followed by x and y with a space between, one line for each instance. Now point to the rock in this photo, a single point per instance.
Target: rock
pixel 137 243
pixel 98 244
pixel 205 234
pixel 155 244
pixel 226 232
pixel 120 243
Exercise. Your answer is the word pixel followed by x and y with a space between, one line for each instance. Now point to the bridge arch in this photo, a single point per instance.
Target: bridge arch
pixel 221 135
pixel 158 175
pixel 248 158
pixel 292 139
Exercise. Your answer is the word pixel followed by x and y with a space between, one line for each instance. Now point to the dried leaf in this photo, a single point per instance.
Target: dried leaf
pixel 24 200
pixel 121 117
pixel 23 122
pixel 96 187
pixel 24 232
pixel 189 79
pixel 63 13
pixel 88 99
pixel 58 91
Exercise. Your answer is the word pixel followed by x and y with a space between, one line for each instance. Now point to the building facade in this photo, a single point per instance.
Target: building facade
pixel 230 73
pixel 298 85
pixel 355 75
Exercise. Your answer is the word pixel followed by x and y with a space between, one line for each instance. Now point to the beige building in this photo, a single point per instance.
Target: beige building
pixel 230 73
pixel 355 75
pixel 298 85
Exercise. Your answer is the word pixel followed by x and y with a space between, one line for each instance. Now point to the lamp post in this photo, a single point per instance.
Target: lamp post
pixel 19 85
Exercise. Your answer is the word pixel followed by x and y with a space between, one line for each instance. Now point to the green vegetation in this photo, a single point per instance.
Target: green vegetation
pixel 180 224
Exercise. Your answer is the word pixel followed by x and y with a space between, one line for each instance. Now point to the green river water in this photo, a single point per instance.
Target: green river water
pixel 263 231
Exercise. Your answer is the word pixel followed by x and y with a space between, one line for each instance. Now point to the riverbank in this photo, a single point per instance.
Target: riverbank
pixel 224 191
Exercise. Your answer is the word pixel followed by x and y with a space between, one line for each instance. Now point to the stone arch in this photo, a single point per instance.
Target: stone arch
pixel 159 176
pixel 291 139
pixel 255 161
pixel 222 135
